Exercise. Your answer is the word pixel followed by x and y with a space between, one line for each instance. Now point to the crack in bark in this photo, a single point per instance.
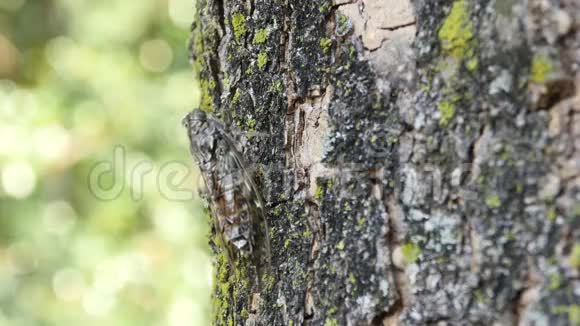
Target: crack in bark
pixel 221 14
pixel 400 278
pixel 396 27
pixel 378 47
pixel 217 65
pixel 383 40
pixel 527 295
pixel 334 7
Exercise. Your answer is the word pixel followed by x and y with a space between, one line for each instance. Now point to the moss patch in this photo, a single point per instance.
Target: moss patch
pixel 262 59
pixel 325 44
pixel 555 281
pixel 456 32
pixel 207 88
pixel 447 109
pixel 220 304
pixel 411 252
pixel 319 192
pixel 541 68
pixel 574 314
pixel 552 214
pixel 351 278
pixel 493 201
pixel 575 256
pixel 276 87
pixel 472 64
pixel 239 25
pixel 251 124
pixel 261 36
pixel 330 322
pixel 236 96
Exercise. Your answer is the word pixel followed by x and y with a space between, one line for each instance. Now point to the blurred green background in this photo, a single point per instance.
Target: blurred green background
pixel 78 79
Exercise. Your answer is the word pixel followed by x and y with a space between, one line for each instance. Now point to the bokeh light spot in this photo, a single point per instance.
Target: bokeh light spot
pixel 18 180
pixel 9 137
pixel 180 12
pixel 68 284
pixel 57 52
pixel 52 142
pixel 194 266
pixel 155 55
pixel 172 223
pixel 97 303
pixel 58 217
pixel 184 312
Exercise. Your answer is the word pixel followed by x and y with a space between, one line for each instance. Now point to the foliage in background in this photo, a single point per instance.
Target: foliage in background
pixel 78 78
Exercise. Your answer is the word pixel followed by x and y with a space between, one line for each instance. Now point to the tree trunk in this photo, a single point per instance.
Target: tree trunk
pixel 420 160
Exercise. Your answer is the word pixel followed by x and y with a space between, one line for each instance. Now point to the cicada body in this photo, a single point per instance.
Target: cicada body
pixel 236 205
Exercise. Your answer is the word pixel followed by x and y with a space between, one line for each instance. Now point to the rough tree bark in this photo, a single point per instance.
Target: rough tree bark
pixel 420 159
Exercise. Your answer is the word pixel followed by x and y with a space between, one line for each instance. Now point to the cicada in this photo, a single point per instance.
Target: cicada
pixel 236 205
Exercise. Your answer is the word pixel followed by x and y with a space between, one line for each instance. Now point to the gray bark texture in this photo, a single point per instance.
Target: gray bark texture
pixel 419 159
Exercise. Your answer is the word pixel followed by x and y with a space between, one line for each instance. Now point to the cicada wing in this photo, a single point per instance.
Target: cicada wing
pixel 207 192
pixel 255 204
pixel 236 204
